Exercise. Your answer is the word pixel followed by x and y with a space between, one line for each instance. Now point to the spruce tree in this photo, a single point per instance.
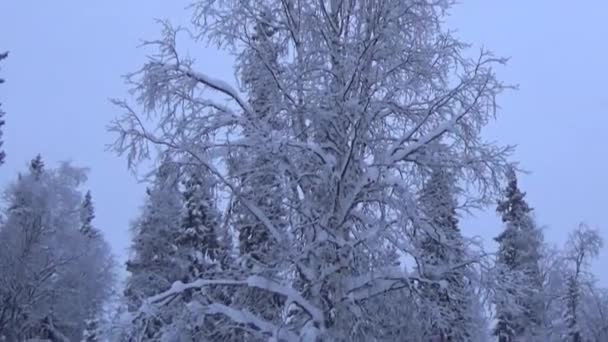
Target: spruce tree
pixel 198 237
pixel 442 250
pixel 154 266
pixel 37 167
pixel 519 304
pixel 202 251
pixel 87 214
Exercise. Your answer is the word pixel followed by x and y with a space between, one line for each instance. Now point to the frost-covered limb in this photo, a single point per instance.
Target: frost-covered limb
pixel 245 317
pixel 242 316
pixel 254 281
pixel 215 84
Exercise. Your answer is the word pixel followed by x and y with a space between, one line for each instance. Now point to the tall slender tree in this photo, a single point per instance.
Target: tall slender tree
pixel 583 245
pixel 153 265
pixel 199 237
pixel 87 214
pixel 519 304
pixel 441 247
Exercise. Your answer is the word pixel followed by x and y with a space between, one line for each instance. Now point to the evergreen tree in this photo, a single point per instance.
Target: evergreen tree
pixel 202 252
pixel 87 214
pixel 198 238
pixel 441 250
pixel 37 167
pixel 153 265
pixel 519 303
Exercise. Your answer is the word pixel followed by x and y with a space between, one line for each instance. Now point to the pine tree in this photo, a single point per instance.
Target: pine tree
pixel 441 249
pixel 202 251
pixel 198 238
pixel 87 214
pixel 154 266
pixel 37 167
pixel 520 307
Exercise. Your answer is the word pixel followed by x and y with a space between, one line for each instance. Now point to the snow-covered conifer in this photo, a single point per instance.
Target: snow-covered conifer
pixel 441 247
pixel 153 265
pixel 87 214
pixel 198 238
pixel 519 302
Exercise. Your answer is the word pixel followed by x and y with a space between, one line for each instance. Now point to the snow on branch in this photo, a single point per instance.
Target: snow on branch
pixel 217 85
pixel 246 317
pixel 399 152
pixel 254 281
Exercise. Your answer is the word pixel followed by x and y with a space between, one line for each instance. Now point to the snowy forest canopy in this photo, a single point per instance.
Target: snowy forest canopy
pixel 320 200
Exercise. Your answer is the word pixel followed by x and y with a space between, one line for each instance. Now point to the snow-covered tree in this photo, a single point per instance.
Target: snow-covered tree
pixel 583 245
pixel 153 265
pixel 594 313
pixel 253 168
pixel 552 268
pixel 87 214
pixel 360 97
pixel 519 302
pixel 441 247
pixel 199 236
pixel 44 258
pixel 203 252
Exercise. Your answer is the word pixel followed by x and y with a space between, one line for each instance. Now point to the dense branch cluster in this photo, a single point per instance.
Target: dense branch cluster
pixel 317 199
pixel 321 196
pixel 54 277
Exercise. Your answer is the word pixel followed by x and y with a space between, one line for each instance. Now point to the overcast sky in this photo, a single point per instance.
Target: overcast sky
pixel 67 56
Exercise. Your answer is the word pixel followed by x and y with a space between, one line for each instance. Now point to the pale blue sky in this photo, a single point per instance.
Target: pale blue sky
pixel 66 58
